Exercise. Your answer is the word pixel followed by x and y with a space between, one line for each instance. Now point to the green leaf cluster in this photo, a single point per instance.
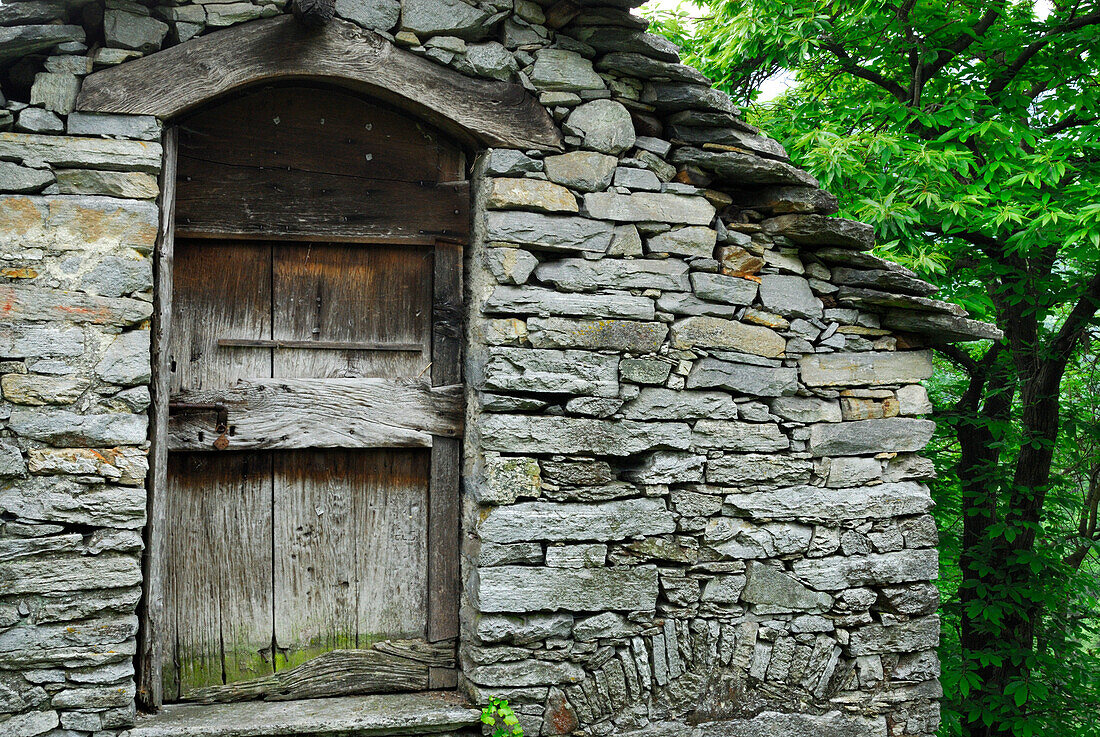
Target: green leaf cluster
pixel 498 715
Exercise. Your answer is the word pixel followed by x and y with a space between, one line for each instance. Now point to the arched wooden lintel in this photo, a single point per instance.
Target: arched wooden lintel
pixel 183 77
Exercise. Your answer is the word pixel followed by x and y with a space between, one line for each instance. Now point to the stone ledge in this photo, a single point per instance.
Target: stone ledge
pixel 350 716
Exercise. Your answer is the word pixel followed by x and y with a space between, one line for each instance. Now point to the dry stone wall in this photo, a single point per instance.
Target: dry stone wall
pixel 694 500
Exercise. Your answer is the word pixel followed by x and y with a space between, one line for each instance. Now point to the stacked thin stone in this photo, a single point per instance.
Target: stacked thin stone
pixel 694 501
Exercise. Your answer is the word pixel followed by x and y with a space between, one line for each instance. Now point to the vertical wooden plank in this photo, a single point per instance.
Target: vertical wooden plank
pixel 349 542
pixel 223 290
pixel 219 584
pixel 352 293
pixel 444 518
pixel 151 631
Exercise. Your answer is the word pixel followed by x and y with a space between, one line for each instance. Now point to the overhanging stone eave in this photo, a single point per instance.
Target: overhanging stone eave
pixel 172 82
pixel 437 713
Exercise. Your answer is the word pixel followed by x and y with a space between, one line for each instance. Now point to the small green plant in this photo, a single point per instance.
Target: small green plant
pixel 499 715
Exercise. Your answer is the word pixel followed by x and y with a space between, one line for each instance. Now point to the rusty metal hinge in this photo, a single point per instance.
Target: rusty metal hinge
pixel 221 424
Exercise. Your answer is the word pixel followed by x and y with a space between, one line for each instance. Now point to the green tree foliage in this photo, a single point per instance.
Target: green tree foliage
pixel 967 133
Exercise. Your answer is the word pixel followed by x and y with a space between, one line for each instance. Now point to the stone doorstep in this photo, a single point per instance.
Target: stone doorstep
pixel 440 714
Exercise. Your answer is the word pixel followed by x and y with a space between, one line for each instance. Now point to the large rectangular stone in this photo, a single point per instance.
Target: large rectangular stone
pixel 720 288
pixel 903 637
pixel 870 368
pixel 581 275
pixel 844 572
pixel 743 378
pixel 51 499
pixel 83 153
pixel 615 520
pixel 64 428
pixel 745 437
pixel 716 332
pixel 40 341
pixel 528 589
pixel 866 437
pixel 833 505
pixel 616 335
pixel 659 403
pixel 756 469
pixel 536 301
pixel 77 223
pixel 552 371
pixel 774 724
pixel 24 302
pixel 644 207
pixel 32 642
pixel 572 435
pixel 548 232
pixel 53 573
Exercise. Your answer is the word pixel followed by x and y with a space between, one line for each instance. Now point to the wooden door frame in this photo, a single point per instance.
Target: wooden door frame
pixel 444 491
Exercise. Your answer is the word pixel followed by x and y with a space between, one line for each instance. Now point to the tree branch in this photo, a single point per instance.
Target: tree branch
pixel 849 65
pixel 1076 323
pixel 929 69
pixel 1005 78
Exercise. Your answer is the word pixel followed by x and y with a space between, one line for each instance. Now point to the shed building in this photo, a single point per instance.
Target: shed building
pixel 362 362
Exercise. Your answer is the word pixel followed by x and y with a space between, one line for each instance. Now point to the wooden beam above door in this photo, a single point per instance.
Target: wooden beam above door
pixel 183 77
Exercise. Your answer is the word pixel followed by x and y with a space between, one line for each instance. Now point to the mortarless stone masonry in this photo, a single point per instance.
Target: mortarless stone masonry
pixel 693 500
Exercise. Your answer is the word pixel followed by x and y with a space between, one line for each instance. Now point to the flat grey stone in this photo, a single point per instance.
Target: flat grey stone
pixel 758 470
pixel 528 672
pixel 777 591
pixel 819 230
pixel 31 724
pixel 511 193
pixel 510 265
pixel 30 12
pixel 742 168
pixel 903 637
pixel 581 275
pixel 805 503
pixel 724 589
pixel 789 296
pixel 132 31
pixel 22 40
pixel 727 289
pixel 867 437
pixel 229 14
pixel 620 335
pixel 11 460
pixel 586 171
pixel 40 341
pixel 491 60
pixel 35 389
pixel 615 520
pixel 681 303
pixel 644 370
pixel 56 92
pixel 605 625
pixel 603 125
pixel 526 589
pixel 444 18
pixel 552 371
pixel 890 280
pixel 740 539
pixel 674 96
pixel 16 178
pixel 60 427
pixel 561 70
pixel 716 332
pixel 774 724
pixel 377 15
pixel 535 301
pixel 667 467
pixel 124 184
pixel 846 369
pixel 636 179
pixel 840 572
pixel 504 162
pixel 941 328
pixel 696 241
pixel 742 437
pixel 806 409
pixel 548 232
pixel 787 200
pixel 753 381
pixel 37 120
pixel 571 435
pixel 616 39
pixel 66 151
pixel 521 630
pixel 376 713
pixel 142 127
pixel 643 207
pixel 658 403
pixel 507 478
pixel 639 65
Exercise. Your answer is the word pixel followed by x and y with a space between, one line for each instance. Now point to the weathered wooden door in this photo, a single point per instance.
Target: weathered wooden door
pixel 314 401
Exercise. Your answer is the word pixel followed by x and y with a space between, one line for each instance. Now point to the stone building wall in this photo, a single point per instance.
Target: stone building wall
pixel 693 494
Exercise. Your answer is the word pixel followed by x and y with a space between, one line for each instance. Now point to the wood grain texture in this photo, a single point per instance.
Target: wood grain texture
pixel 185 76
pixel 350 563
pixel 339 293
pixel 321 413
pixel 218 588
pixel 389 666
pixel 444 519
pixel 152 640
